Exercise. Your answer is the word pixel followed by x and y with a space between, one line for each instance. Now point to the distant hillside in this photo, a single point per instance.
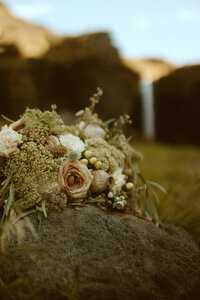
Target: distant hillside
pixel 150 68
pixel 30 40
pixel 65 71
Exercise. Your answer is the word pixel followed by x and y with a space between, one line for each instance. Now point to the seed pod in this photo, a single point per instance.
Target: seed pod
pixel 18 125
pixel 52 141
pixel 101 182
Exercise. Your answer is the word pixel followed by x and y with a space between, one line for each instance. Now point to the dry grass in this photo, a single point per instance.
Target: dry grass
pixel 177 168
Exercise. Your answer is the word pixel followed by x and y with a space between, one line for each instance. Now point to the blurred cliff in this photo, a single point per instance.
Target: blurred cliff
pixel 177 106
pixel 38 68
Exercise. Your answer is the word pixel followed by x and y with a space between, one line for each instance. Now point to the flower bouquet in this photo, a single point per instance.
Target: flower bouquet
pixel 46 165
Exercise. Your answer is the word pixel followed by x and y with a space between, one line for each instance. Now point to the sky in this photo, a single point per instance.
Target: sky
pixel 166 29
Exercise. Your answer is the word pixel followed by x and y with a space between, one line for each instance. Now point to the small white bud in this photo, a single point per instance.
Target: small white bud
pixel 110 195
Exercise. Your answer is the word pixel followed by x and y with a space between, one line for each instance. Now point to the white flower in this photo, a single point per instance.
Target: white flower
pixel 119 181
pixel 9 139
pixel 81 125
pixel 72 142
pixel 94 131
pixel 119 203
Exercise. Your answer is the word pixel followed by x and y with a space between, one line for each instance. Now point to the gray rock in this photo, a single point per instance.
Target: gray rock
pixel 99 255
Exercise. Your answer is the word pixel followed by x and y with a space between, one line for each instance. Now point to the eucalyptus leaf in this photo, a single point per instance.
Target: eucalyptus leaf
pixel 7 119
pixel 39 219
pixel 157 185
pixel 155 194
pixel 77 204
pixel 129 138
pixel 153 210
pixel 6 182
pixel 24 214
pixel 8 203
pixel 44 208
pixel 108 122
pixel 136 168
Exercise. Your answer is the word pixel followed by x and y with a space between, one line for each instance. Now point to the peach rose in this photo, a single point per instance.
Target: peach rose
pixel 75 179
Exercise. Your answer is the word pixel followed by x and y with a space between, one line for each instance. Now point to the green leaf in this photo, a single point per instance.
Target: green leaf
pixel 108 122
pixel 44 208
pixel 129 138
pixel 7 119
pixel 24 214
pixel 155 194
pixel 39 208
pixel 157 185
pixel 5 185
pixel 136 168
pixel 153 210
pixel 95 201
pixel 77 204
pixel 8 203
pixel 148 215
pixel 39 219
pixel 142 178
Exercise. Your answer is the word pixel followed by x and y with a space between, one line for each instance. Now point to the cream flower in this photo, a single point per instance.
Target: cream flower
pixel 94 131
pixel 119 202
pixel 9 140
pixel 119 181
pixel 72 142
pixel 75 179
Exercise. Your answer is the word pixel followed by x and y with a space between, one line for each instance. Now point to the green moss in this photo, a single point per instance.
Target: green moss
pixel 15 285
pixel 47 121
pixel 111 158
pixel 28 168
pixel 36 135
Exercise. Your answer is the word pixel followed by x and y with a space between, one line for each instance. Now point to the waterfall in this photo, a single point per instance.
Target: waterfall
pixel 146 88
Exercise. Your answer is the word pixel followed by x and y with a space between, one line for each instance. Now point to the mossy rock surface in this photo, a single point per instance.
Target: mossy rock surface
pixel 90 254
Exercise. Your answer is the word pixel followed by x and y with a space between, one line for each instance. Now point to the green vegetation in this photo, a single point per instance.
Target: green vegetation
pixel 177 169
pixel 14 285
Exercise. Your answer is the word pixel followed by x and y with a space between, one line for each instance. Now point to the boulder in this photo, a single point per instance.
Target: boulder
pixel 92 254
pixel 177 106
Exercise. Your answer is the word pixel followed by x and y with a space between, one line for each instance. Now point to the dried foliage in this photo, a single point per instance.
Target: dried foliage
pixel 46 165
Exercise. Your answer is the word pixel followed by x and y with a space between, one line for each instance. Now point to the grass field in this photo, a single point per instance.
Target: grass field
pixel 177 168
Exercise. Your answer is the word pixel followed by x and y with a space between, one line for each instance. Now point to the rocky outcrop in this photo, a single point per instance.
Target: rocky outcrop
pixel 98 255
pixel 177 106
pixel 150 69
pixel 38 68
pixel 29 39
pixel 68 75
pixel 81 64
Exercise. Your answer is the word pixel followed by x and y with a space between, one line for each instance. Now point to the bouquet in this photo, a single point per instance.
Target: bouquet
pixel 46 165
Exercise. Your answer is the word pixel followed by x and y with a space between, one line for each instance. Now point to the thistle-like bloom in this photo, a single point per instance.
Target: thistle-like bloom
pixel 75 179
pixel 9 140
pixel 72 142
